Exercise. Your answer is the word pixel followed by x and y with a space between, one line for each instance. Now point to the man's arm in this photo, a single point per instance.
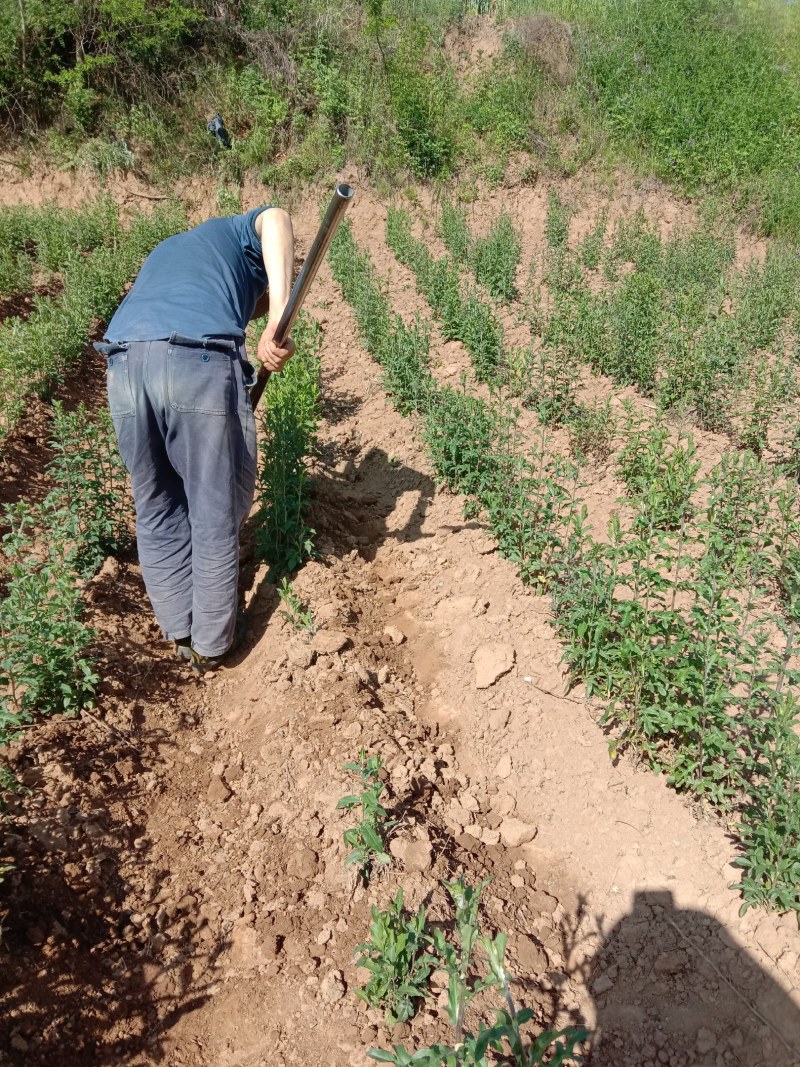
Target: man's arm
pixel 274 227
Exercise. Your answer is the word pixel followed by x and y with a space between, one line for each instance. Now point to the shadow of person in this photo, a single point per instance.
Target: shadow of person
pixel 358 506
pixel 672 986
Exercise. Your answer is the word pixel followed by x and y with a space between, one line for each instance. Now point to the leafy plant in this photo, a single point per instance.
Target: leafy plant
pixel 367 840
pixel 506 1038
pixel 464 316
pixel 398 961
pixel 677 619
pixel 292 608
pixel 37 351
pixel 495 258
pixel 46 661
pixel 591 428
pixel 558 217
pixel 289 424
pixel 91 479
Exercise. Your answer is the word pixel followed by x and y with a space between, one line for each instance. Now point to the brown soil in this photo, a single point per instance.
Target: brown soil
pixel 25 452
pixel 180 895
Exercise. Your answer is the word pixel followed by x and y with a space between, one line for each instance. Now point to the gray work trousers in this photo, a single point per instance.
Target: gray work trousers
pixel 187 435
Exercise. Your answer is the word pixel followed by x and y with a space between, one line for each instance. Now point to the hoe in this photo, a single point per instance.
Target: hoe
pixel 340 201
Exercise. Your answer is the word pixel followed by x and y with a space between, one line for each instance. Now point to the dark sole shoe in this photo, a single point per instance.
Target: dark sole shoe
pixel 201 664
pixel 183 648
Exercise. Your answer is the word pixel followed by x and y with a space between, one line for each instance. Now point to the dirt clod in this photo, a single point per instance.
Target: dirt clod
pixel 218 791
pixel 492 661
pixel 514 832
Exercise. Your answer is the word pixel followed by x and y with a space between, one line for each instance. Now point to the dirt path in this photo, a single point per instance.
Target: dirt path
pixel 181 896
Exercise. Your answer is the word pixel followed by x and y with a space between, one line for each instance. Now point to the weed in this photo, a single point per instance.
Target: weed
pixel 293 610
pixel 367 840
pixel 506 1037
pixel 398 961
pixel 495 259
pixel 591 429
pixel 557 225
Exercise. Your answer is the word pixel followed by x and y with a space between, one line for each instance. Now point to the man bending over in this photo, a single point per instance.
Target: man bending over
pixel 177 388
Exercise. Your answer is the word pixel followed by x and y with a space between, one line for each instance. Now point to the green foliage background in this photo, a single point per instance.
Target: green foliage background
pixel 702 93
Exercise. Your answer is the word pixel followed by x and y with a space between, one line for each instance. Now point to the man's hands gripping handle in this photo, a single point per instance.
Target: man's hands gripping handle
pixel 274 351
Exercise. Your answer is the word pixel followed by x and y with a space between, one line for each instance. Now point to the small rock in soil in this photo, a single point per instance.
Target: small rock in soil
pixel 332 987
pixel 397 637
pixel 218 791
pixel 515 832
pixel 415 855
pixel 532 957
pixel 300 654
pixel 669 962
pixel 302 864
pixel 503 768
pixel 706 1040
pixel 603 984
pixel 329 641
pixel 492 661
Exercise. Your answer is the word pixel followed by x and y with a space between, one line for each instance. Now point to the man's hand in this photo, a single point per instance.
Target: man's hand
pixel 271 355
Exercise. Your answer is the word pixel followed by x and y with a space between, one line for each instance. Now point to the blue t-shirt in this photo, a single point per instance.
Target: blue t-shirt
pixel 201 283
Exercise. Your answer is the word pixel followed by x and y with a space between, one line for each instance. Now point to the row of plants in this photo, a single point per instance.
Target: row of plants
pixel 544 376
pixel 493 259
pixel 404 949
pixel 47 659
pixel 289 422
pixel 673 318
pixel 36 243
pixel 36 352
pixel 673 620
pixel 463 315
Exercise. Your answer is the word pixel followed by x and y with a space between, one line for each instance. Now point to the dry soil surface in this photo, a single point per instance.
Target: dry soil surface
pixel 180 895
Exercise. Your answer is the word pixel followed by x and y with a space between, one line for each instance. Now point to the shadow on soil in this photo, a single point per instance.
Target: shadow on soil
pixel 671 986
pixel 83 981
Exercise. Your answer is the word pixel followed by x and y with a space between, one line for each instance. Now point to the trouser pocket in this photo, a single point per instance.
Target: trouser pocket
pixel 118 382
pixel 200 380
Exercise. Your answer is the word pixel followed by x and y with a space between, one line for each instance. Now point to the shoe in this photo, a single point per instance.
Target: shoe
pixel 201 664
pixel 183 648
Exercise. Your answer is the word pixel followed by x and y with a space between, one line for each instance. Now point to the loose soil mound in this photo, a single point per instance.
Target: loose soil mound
pixel 180 894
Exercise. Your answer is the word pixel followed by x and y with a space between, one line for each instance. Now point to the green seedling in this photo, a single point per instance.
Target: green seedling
pixel 293 610
pixel 505 1039
pixel 398 960
pixel 367 841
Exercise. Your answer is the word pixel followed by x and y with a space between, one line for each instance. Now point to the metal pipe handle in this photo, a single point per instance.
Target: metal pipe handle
pixel 340 201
